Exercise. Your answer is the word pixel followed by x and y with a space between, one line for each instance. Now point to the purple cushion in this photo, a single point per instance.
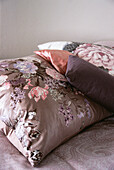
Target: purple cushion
pixel 91 80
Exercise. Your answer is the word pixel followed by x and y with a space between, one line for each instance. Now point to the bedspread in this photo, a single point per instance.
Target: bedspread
pixel 91 149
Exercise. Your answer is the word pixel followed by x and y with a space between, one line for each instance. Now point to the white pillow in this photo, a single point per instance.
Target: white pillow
pixel 55 45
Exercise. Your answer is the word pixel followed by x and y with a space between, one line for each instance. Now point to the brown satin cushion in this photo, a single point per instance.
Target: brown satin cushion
pixel 39 109
pixel 58 58
pixel 92 81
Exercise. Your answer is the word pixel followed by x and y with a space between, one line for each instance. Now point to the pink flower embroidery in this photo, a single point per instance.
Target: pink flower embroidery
pixel 80 115
pixel 28 84
pixel 38 92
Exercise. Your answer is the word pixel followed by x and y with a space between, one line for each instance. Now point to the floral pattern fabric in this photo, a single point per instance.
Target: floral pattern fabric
pixel 38 105
pixel 98 55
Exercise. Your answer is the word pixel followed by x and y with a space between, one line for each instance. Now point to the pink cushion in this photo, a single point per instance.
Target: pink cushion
pixel 58 58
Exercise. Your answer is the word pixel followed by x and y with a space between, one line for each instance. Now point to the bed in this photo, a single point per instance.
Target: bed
pixel 54 124
pixel 91 149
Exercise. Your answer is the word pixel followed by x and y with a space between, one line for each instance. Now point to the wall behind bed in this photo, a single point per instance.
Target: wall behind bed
pixel 26 23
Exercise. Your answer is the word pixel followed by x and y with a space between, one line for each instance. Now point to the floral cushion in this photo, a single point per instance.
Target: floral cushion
pixel 39 109
pixel 98 55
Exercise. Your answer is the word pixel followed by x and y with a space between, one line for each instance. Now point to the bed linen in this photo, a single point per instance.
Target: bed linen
pixel 14 121
pixel 91 149
pixel 59 45
pixel 100 56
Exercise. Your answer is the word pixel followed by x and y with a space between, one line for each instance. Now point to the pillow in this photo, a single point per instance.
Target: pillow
pixel 60 45
pixel 58 58
pixel 55 45
pixel 98 55
pixel 72 46
pixel 39 109
pixel 92 81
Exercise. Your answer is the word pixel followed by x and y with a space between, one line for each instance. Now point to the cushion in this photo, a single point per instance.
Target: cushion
pixel 39 109
pixel 55 45
pixel 92 81
pixel 60 45
pixel 58 58
pixel 98 55
pixel 72 46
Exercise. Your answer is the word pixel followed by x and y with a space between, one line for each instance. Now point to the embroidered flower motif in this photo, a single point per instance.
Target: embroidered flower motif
pixel 28 84
pixel 38 92
pixel 21 133
pixel 25 67
pixel 31 115
pixel 25 129
pixel 20 130
pixel 16 96
pixel 17 82
pixel 28 124
pixel 26 142
pixel 86 112
pixel 66 111
pixel 36 155
pixel 21 112
pixel 97 55
pixel 34 134
pixel 80 115
pixel 55 94
pixel 53 83
pixel 87 108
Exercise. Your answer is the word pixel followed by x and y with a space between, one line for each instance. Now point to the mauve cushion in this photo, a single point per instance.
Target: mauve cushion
pixel 91 80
